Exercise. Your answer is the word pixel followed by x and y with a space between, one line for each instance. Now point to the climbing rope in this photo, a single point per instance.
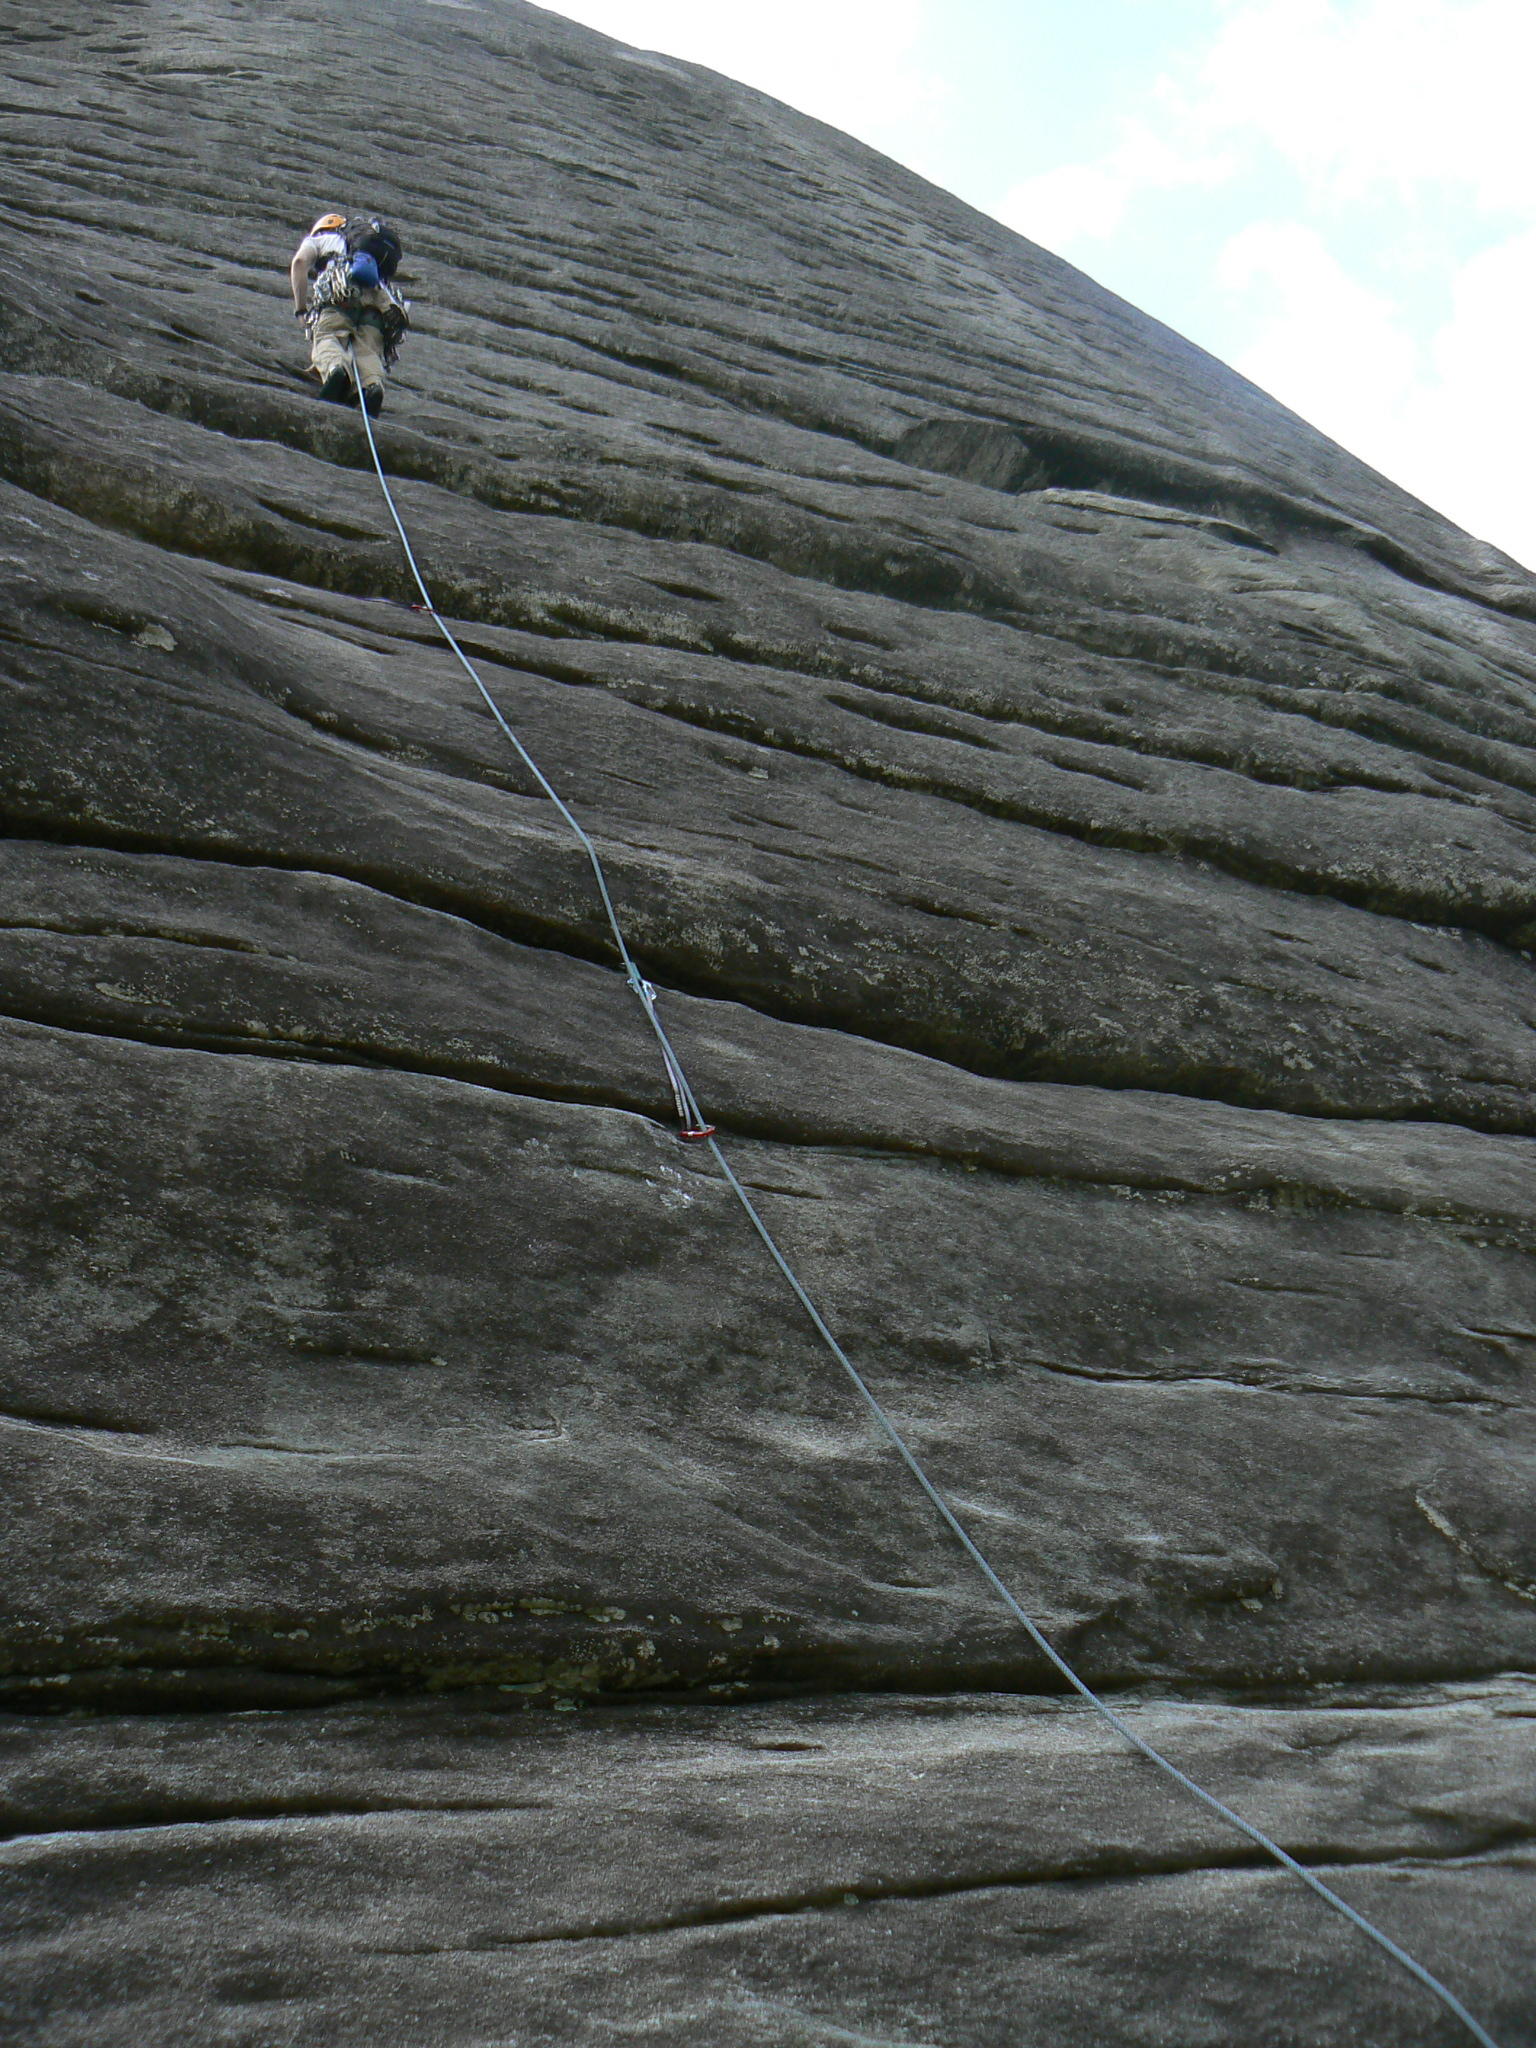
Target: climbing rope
pixel 695 1128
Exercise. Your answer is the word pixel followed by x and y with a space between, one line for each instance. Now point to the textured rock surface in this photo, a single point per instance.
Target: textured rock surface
pixel 1081 822
pixel 806 1873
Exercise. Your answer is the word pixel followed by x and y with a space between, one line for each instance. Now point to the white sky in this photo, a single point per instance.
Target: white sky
pixel 1335 196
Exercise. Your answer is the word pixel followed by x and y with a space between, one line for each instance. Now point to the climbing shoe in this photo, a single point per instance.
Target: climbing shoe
pixel 337 386
pixel 373 398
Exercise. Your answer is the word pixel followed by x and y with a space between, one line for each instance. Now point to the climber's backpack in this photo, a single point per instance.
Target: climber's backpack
pixel 367 236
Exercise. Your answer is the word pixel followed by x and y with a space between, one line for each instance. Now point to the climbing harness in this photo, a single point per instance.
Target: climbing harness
pixel 337 285
pixel 336 289
pixel 337 239
pixel 696 1129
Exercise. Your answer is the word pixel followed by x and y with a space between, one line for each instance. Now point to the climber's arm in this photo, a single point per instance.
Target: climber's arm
pixel 305 257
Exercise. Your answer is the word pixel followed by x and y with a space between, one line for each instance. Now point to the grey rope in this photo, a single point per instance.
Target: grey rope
pixel 688 1110
pixel 687 1106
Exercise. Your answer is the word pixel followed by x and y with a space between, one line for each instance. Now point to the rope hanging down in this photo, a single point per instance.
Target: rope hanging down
pixel 694 1127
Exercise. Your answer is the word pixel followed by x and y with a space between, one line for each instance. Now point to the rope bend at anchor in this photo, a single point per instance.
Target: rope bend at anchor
pixel 694 1127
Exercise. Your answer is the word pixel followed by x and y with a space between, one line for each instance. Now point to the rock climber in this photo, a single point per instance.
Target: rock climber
pixel 341 276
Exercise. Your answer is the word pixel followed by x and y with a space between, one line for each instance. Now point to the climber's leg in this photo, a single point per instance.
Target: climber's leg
pixel 328 357
pixel 369 345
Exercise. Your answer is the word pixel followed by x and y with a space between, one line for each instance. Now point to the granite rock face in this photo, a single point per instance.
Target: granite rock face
pixel 1080 824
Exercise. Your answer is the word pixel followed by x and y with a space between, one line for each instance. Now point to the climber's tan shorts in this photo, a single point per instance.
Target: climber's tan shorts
pixel 328 347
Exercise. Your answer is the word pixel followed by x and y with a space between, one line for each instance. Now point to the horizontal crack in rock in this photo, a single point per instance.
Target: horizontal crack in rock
pixel 1260 1384
pixel 850 1896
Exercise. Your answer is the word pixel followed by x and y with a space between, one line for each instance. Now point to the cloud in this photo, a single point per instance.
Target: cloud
pixel 1089 202
pixel 1493 317
pixel 1386 140
pixel 1327 345
pixel 1362 100
pixel 1443 414
pixel 1479 432
pixel 854 63
pixel 1375 97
